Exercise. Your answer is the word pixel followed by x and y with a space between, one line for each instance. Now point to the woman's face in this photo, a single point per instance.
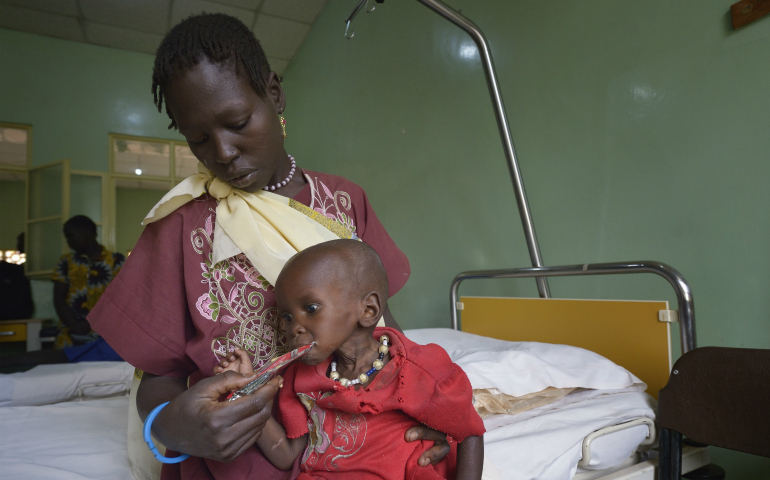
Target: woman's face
pixel 232 130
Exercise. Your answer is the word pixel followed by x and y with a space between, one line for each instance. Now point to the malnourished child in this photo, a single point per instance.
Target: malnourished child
pixel 346 406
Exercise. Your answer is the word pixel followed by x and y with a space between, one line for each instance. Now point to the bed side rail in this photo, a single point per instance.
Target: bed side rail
pixel 585 461
pixel 684 298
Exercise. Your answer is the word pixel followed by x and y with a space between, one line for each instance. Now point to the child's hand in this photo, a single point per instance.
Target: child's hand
pixel 237 361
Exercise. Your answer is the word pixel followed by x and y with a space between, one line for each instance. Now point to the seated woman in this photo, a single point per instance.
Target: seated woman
pixel 199 282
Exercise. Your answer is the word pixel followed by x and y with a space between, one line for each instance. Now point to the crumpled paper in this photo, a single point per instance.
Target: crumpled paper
pixel 490 401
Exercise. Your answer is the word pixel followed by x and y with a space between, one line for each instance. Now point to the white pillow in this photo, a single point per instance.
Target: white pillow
pixel 521 368
pixel 47 384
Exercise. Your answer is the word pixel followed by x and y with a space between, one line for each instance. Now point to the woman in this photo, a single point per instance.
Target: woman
pixel 199 282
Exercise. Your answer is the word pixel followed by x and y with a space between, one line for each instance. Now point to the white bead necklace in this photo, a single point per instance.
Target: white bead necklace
pixel 364 377
pixel 278 185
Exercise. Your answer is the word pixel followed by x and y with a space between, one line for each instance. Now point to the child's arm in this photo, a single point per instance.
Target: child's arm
pixel 237 361
pixel 470 458
pixel 280 450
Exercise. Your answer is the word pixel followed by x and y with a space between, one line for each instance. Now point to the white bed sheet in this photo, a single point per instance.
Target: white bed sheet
pixel 47 384
pixel 545 443
pixel 80 440
pixel 65 441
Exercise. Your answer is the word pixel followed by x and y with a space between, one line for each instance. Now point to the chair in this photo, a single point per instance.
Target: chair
pixel 715 396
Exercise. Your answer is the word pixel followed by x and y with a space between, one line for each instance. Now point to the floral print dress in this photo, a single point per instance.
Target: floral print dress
pixel 86 281
pixel 173 312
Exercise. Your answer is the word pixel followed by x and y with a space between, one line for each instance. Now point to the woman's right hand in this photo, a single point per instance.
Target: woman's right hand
pixel 197 423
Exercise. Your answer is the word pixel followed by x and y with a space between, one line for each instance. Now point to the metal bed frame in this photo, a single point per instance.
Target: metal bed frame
pixel 681 287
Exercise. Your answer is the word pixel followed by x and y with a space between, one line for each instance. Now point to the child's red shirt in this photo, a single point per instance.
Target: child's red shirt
pixel 360 433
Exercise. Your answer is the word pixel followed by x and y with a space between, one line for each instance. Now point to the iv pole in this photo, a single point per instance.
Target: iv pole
pixel 505 132
pixel 502 124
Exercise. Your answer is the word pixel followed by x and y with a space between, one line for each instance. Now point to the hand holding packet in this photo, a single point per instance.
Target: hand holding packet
pixel 269 371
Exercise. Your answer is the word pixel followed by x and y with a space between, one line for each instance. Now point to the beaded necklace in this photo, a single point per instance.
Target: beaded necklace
pixel 272 188
pixel 364 377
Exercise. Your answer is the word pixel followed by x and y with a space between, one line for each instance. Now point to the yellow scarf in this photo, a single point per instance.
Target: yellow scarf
pixel 268 228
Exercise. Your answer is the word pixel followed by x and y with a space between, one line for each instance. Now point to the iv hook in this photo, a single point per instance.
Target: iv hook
pixel 362 4
pixel 352 34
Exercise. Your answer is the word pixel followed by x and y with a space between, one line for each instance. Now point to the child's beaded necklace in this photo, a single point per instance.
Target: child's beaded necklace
pixel 364 377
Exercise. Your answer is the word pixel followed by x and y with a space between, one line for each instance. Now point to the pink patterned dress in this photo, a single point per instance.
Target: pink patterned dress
pixel 172 312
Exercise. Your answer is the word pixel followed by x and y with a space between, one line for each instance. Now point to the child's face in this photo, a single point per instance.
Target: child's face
pixel 231 129
pixel 314 306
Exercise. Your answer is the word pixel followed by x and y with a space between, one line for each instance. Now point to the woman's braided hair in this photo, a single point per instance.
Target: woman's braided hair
pixel 218 37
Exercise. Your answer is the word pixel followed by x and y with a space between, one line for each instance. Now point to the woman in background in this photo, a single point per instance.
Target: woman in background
pixel 79 280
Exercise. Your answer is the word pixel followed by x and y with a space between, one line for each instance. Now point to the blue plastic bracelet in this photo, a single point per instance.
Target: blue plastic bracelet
pixel 151 444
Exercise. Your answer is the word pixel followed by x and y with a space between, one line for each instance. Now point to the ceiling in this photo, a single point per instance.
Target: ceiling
pixel 139 25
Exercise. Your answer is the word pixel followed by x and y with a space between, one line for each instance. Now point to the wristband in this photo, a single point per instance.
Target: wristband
pixel 151 444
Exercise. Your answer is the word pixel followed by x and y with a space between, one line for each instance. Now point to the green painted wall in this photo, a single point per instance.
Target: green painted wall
pixel 641 130
pixel 131 206
pixel 74 94
pixel 12 212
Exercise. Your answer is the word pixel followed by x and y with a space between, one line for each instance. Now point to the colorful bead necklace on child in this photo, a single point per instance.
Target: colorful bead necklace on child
pixel 364 377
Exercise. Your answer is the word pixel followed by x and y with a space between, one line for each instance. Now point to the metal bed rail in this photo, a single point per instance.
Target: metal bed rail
pixel 684 297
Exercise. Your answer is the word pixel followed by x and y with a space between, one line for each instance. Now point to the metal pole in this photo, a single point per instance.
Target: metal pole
pixel 684 297
pixel 505 132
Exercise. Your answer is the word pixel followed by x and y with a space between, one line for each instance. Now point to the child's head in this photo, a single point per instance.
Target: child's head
pixel 331 293
pixel 220 94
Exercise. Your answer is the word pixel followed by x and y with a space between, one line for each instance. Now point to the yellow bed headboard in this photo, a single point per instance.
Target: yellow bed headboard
pixel 628 333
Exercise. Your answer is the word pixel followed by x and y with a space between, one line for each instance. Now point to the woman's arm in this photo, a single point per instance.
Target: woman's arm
pixel 197 423
pixel 470 458
pixel 280 450
pixel 78 327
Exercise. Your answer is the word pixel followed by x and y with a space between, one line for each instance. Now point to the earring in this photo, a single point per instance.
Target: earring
pixel 283 125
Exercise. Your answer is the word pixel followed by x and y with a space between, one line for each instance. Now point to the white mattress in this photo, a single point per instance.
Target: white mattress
pixel 66 441
pixel 84 440
pixel 81 440
pixel 545 443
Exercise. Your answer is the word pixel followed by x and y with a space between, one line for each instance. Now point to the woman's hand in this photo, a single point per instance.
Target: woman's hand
pixel 434 454
pixel 197 423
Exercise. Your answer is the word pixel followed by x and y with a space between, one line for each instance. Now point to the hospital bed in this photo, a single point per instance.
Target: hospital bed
pixel 635 335
pixel 71 421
